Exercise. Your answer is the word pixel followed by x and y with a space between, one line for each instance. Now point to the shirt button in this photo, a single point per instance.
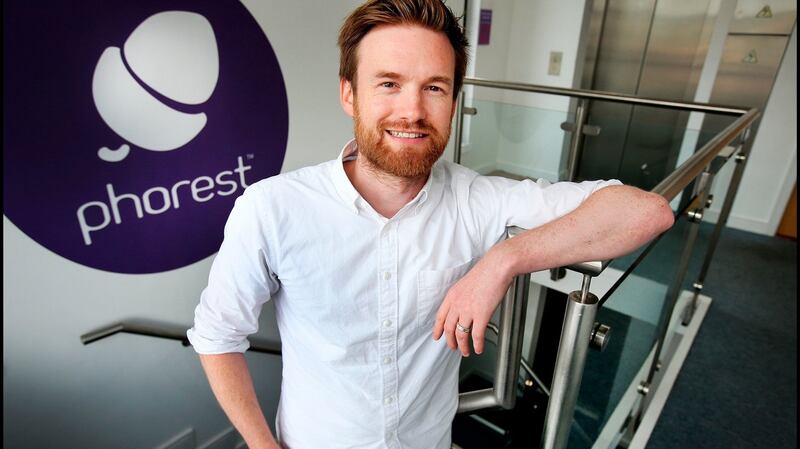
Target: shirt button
pixel 388 401
pixel 387 275
pixel 387 360
pixel 387 323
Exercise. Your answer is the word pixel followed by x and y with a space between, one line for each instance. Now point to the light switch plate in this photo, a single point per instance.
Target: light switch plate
pixel 554 67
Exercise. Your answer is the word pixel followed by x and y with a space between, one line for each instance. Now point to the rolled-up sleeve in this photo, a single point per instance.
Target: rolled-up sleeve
pixel 530 204
pixel 501 203
pixel 240 282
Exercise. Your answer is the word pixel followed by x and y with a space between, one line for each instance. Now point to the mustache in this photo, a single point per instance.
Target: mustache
pixel 406 126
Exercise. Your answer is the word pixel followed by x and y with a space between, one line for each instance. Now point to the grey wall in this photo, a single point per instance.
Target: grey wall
pixel 771 172
pixel 138 392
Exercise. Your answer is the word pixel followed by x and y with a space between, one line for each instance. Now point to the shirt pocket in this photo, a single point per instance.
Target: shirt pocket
pixel 432 287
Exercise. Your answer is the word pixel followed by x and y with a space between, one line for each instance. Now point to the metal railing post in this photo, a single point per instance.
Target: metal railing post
pixel 509 343
pixel 509 351
pixel 695 217
pixel 733 187
pixel 576 143
pixel 572 348
pixel 459 125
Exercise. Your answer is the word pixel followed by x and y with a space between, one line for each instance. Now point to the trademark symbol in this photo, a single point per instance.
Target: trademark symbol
pixel 250 156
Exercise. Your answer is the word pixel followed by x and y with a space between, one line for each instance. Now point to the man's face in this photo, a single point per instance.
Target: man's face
pixel 404 102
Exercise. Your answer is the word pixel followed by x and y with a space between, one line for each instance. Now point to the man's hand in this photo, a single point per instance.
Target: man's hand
pixel 613 221
pixel 471 301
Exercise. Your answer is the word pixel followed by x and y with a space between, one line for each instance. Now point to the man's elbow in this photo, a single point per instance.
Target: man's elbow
pixel 660 216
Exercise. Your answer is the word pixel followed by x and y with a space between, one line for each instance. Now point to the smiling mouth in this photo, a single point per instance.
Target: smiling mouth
pixel 406 135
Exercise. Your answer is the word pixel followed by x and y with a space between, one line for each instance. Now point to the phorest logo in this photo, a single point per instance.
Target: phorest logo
pixel 185 101
pixel 165 199
pixel 174 53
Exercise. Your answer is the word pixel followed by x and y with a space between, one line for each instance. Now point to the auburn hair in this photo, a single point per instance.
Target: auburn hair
pixel 430 14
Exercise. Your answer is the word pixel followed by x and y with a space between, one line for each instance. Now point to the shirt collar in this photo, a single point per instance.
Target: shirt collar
pixel 350 195
pixel 341 182
pixel 423 194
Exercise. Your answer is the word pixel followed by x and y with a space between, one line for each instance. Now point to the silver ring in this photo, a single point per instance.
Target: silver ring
pixel 463 329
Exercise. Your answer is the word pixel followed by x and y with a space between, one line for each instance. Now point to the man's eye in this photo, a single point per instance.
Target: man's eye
pixel 388 84
pixel 435 89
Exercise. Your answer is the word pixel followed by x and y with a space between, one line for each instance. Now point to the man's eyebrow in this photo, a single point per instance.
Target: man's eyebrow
pixel 390 75
pixel 434 79
pixel 441 79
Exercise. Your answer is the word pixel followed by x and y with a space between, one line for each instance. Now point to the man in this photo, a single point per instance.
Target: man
pixel 365 255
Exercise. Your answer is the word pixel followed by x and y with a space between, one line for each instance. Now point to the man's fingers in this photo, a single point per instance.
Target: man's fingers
pixel 463 337
pixel 478 335
pixel 449 331
pixel 438 325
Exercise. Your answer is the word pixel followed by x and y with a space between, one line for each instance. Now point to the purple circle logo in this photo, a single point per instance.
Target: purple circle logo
pixel 131 127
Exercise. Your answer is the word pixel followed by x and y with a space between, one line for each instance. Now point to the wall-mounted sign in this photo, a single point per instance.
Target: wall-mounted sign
pixel 751 57
pixel 764 13
pixel 485 27
pixel 131 127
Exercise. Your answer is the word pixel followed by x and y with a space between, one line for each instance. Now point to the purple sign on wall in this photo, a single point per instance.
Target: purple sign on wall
pixel 485 27
pixel 131 127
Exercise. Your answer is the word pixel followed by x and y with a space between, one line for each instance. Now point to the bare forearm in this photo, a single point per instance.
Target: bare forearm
pixel 230 380
pixel 612 222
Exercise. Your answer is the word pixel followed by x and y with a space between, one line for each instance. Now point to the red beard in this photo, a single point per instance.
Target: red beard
pixel 407 162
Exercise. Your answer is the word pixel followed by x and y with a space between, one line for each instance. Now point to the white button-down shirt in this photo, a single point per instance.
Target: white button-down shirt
pixel 356 294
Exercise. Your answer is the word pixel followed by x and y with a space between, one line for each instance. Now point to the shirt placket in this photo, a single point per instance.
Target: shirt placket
pixel 388 324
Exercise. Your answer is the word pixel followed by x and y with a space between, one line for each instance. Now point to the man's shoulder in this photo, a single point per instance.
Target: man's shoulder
pixel 456 174
pixel 465 182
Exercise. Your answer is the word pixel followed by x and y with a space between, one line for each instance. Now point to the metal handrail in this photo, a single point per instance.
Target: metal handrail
pixel 168 331
pixel 673 184
pixel 607 96
pixel 509 353
pixel 680 177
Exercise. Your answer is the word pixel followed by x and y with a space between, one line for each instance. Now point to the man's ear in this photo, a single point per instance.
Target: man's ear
pixel 455 106
pixel 346 96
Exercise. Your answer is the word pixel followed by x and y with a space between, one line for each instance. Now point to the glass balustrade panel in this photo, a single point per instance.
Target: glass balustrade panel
pixel 515 134
pixel 633 290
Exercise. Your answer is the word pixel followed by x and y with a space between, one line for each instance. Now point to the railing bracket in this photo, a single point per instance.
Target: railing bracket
pixel 695 216
pixel 600 337
pixel 587 130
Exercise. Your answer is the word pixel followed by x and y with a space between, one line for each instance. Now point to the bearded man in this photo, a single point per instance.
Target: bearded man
pixel 371 258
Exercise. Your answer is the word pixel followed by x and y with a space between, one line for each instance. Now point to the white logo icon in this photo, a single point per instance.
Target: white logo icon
pixel 175 54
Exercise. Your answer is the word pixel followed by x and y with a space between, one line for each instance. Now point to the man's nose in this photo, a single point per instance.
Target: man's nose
pixel 412 106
